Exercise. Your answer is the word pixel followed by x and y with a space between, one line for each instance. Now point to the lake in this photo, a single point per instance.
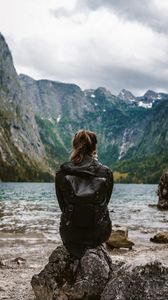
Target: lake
pixel 29 213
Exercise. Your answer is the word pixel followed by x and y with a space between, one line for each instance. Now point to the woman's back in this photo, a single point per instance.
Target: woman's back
pixel 83 192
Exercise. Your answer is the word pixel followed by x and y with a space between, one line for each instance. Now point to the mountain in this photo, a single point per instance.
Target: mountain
pixel 151 96
pixel 145 101
pixel 146 161
pixel 126 96
pixel 40 117
pixel 52 99
pixel 21 150
pixel 62 109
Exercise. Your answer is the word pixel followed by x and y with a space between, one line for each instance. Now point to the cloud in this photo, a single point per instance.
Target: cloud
pixel 62 12
pixel 97 61
pixel 90 43
pixel 153 13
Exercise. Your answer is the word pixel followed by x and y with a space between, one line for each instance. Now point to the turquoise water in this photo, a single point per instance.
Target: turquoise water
pixel 29 212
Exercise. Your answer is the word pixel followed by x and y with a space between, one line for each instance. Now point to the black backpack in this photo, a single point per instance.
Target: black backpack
pixel 86 204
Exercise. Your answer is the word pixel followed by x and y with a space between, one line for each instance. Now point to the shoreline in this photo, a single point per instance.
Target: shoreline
pixel 19 264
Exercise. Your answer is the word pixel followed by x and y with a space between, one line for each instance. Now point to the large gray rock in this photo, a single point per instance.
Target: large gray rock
pixel 147 280
pixel 97 277
pixel 65 277
pixel 163 191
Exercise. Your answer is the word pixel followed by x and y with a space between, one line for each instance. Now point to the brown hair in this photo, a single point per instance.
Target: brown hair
pixel 84 142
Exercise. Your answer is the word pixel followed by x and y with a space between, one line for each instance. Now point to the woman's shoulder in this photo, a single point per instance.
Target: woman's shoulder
pixel 64 166
pixel 59 173
pixel 104 169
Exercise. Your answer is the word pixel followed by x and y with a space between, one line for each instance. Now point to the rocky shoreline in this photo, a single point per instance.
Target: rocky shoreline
pixel 15 275
pixel 17 269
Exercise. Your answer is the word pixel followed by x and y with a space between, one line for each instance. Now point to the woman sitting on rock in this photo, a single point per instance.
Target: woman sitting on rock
pixel 83 188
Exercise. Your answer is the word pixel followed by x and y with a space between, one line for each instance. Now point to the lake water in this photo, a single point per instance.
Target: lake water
pixel 29 212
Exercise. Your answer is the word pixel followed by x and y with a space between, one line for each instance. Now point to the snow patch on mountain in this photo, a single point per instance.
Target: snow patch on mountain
pixel 145 105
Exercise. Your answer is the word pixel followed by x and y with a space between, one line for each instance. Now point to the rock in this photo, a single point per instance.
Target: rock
pixel 116 225
pixel 19 260
pixel 152 205
pixel 146 231
pixel 65 277
pixel 160 237
pixel 163 191
pixel 95 277
pixel 138 281
pixel 119 239
pixel 136 210
pixel 123 231
pixel 2 264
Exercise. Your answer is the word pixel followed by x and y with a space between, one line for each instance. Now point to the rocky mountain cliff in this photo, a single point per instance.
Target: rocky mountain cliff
pixel 39 118
pixel 22 152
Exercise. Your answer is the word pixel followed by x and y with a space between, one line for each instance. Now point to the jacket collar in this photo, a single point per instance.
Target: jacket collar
pixel 88 166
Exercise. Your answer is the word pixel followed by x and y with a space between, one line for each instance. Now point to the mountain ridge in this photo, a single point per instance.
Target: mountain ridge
pixel 40 117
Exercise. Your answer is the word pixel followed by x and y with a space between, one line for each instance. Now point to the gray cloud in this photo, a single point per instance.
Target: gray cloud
pixel 122 6
pixel 85 75
pixel 90 46
pixel 138 82
pixel 143 11
pixel 62 12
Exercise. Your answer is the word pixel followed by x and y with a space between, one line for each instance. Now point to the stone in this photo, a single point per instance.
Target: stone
pixel 2 264
pixel 119 239
pixel 160 237
pixel 163 192
pixel 152 205
pixel 138 280
pixel 97 277
pixel 123 231
pixel 19 260
pixel 66 277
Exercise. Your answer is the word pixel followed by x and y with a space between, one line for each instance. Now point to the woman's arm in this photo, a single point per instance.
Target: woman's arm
pixel 59 192
pixel 110 186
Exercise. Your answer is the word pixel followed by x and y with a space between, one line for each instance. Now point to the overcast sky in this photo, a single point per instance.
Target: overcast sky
pixel 112 43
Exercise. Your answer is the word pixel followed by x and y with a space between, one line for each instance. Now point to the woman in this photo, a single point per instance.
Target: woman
pixel 84 187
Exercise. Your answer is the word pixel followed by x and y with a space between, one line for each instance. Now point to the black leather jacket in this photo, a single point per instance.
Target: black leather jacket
pixel 83 193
